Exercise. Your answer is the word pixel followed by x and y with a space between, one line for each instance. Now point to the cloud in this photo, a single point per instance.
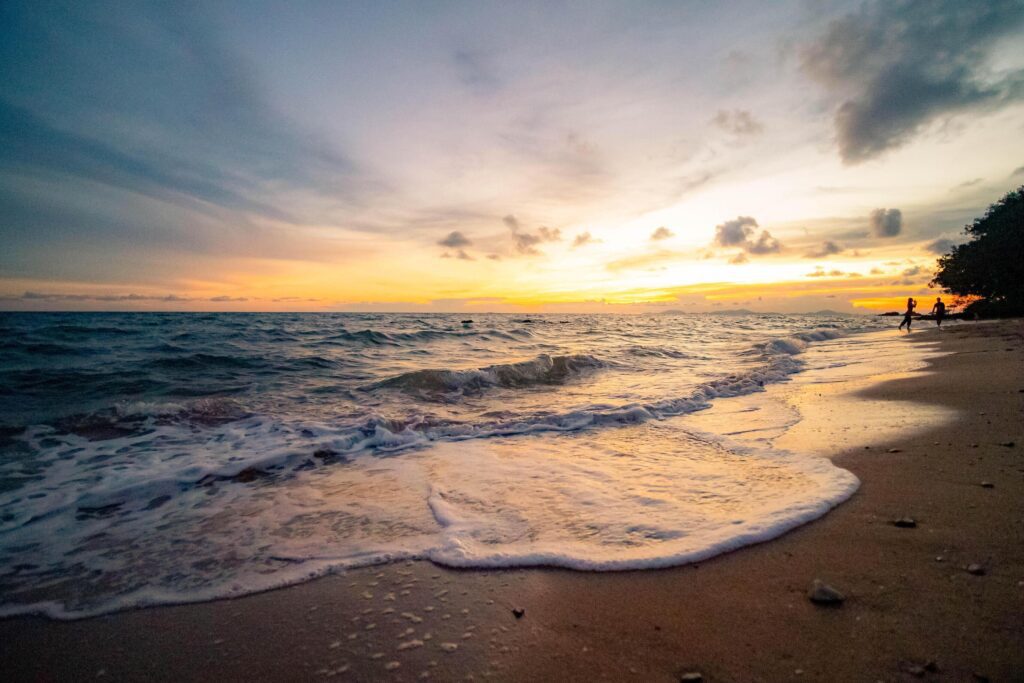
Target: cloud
pixel 912 271
pixel 820 272
pixel 738 122
pixel 827 248
pixel 61 296
pixel 549 235
pixel 662 233
pixel 886 222
pixel 739 258
pixel 737 233
pixel 941 246
pixel 455 240
pixel 459 254
pixel 229 298
pixel 525 242
pixel 1017 171
pixel 582 239
pixel 896 66
pixel 765 244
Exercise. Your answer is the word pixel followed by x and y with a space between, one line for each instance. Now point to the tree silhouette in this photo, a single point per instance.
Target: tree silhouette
pixel 991 265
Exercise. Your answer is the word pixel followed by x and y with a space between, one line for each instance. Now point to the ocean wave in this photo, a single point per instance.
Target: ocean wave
pixel 656 352
pixel 30 348
pixel 543 369
pixel 66 329
pixel 142 452
pixel 202 361
pixel 243 447
pixel 795 343
pixel 376 337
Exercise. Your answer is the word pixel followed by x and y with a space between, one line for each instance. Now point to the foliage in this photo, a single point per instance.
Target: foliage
pixel 990 267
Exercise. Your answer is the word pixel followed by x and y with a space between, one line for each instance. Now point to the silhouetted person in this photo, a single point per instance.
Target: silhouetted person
pixel 939 311
pixel 908 317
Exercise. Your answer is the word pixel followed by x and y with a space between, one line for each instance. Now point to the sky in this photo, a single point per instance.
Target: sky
pixel 499 156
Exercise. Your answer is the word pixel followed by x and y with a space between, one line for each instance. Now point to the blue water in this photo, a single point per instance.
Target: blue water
pixel 150 458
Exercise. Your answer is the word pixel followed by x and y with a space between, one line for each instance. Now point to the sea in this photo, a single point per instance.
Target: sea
pixel 152 458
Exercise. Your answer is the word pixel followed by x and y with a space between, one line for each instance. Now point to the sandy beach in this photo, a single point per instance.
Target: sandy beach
pixel 912 609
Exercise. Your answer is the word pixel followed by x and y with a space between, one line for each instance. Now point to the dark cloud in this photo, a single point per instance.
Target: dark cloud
pixel 455 240
pixel 219 299
pixel 737 233
pixel 107 298
pixel 827 248
pixel 459 254
pixel 941 246
pixel 819 272
pixel 662 233
pixel 765 244
pixel 738 122
pixel 1017 171
pixel 912 271
pixel 739 258
pixel 886 222
pixel 549 235
pixel 896 65
pixel 582 239
pixel 526 242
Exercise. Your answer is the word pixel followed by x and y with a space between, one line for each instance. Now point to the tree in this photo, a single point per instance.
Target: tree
pixel 991 265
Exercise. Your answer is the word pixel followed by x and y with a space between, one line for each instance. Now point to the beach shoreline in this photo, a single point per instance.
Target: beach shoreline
pixel 739 616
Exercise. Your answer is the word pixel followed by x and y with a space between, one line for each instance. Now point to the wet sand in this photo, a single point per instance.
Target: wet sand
pixel 912 609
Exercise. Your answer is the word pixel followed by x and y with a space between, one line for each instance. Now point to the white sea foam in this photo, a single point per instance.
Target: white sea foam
pixel 653 495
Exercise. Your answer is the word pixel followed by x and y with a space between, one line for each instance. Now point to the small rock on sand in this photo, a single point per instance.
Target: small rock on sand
pixel 692 677
pixel 905 523
pixel 912 669
pixel 823 594
pixel 987 485
pixel 976 569
pixel 518 612
pixel 1008 444
pixel 895 450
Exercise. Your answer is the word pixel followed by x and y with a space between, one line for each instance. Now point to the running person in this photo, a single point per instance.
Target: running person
pixel 908 317
pixel 939 311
